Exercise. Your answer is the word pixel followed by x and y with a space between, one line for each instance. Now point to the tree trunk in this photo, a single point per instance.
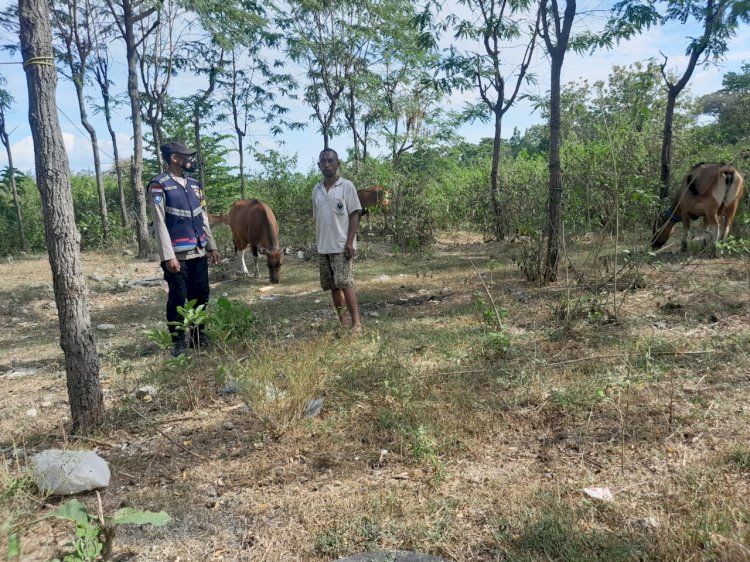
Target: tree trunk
pixel 14 189
pixel 156 134
pixel 240 144
pixel 498 225
pixel 554 217
pixel 666 144
pixel 197 135
pixel 103 214
pixel 136 166
pixel 116 155
pixel 53 180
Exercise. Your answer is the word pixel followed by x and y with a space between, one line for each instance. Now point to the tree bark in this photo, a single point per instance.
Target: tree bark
pixel 126 23
pixel 53 180
pixel 498 225
pixel 14 188
pixel 101 74
pixel 554 200
pixel 103 213
pixel 666 144
pixel 557 28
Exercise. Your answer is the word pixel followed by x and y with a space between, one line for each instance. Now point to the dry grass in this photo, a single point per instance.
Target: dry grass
pixel 432 436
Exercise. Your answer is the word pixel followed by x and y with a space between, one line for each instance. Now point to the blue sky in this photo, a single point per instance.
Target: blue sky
pixel 671 41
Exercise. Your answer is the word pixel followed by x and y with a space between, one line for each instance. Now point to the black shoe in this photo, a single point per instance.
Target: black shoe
pixel 178 348
pixel 202 341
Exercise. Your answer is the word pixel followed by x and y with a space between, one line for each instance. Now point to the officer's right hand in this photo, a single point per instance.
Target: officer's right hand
pixel 173 265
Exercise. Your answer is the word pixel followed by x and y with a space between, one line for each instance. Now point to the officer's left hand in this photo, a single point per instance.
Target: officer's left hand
pixel 349 252
pixel 215 257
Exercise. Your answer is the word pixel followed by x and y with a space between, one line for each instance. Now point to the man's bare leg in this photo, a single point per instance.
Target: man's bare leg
pixel 350 298
pixel 339 303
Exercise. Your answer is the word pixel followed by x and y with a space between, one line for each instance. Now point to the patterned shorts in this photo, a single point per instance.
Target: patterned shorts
pixel 335 272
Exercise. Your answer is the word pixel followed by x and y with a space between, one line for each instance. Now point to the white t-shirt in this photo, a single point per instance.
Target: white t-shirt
pixel 331 210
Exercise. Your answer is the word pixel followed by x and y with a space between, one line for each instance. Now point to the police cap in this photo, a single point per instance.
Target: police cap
pixel 176 147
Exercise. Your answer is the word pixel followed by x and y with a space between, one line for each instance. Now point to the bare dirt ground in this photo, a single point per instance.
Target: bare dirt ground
pixel 465 422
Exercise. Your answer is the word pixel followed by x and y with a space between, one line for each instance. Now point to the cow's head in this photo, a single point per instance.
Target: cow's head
pixel 273 259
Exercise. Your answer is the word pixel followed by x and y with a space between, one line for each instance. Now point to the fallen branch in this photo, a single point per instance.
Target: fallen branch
pixel 149 422
pixel 613 355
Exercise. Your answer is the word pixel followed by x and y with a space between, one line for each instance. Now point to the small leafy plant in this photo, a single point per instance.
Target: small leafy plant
pixel 231 321
pixel 497 337
pixel 95 534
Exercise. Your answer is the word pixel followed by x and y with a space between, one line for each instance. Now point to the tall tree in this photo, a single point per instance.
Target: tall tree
pixel 6 101
pixel 719 20
pixel 127 13
pixel 555 31
pixel 495 24
pixel 53 180
pixel 729 106
pixel 334 40
pixel 254 86
pixel 74 28
pixel 101 65
pixel 161 37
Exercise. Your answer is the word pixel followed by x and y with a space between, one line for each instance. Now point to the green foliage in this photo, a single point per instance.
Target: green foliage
pixel 192 316
pixel 740 457
pixel 94 535
pixel 497 337
pixel 162 338
pixel 734 245
pixel 557 535
pixel 230 321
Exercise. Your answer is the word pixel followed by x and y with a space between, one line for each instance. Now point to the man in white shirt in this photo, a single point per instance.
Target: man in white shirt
pixel 336 210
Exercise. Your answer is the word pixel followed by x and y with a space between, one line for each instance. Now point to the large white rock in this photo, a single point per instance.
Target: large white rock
pixel 69 472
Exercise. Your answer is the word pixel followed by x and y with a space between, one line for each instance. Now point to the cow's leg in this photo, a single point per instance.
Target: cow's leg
pixel 712 228
pixel 686 232
pixel 254 249
pixel 729 212
pixel 242 260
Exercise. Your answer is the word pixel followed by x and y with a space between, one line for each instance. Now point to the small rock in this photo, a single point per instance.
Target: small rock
pixel 300 255
pixel 46 404
pixel 604 494
pixel 127 252
pixel 18 372
pixel 228 425
pixel 69 472
pixel 314 407
pixel 106 327
pixel 644 524
pixel 98 277
pixel 144 391
pixel 31 412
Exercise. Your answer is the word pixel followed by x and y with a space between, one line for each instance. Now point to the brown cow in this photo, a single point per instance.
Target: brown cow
pixel 374 197
pixel 253 224
pixel 709 190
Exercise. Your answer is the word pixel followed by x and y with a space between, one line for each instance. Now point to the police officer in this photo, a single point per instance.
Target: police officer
pixel 183 238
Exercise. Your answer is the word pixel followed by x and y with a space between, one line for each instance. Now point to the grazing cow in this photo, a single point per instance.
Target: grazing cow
pixel 253 224
pixel 709 190
pixel 374 197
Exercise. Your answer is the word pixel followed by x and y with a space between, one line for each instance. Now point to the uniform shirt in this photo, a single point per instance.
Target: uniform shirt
pixel 331 210
pixel 164 242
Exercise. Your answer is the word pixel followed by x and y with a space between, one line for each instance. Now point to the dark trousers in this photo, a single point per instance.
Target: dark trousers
pixel 191 282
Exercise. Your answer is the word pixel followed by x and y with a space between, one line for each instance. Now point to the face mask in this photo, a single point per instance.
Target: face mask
pixel 188 163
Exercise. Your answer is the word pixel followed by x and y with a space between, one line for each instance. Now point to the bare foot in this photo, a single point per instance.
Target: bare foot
pixel 357 329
